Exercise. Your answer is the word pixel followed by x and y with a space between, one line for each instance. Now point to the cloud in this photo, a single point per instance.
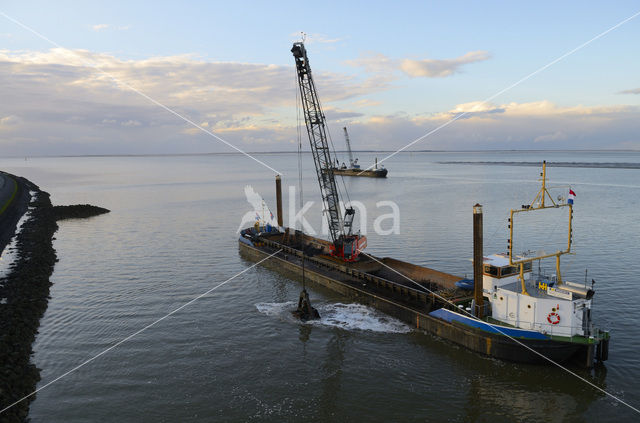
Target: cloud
pixel 8 122
pixel 338 115
pixel 55 102
pixel 546 138
pixel 102 27
pixel 479 110
pixel 432 68
pixel 632 91
pixel 374 63
pixel 60 95
pixel 428 68
pixel 536 125
pixel 366 102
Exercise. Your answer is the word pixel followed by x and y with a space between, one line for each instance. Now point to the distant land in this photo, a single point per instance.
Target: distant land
pixel 308 152
pixel 610 165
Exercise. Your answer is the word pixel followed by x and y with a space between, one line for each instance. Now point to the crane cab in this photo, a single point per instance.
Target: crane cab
pixel 348 247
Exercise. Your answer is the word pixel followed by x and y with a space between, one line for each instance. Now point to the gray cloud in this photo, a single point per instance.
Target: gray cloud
pixel 536 125
pixel 632 91
pixel 56 96
pixel 54 104
pixel 431 68
pixel 428 68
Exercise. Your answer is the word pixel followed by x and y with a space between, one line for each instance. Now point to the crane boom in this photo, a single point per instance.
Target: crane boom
pixel 345 245
pixel 346 138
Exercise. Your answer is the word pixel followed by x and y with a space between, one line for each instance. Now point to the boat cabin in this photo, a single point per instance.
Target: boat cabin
pixel 563 311
pixel 497 271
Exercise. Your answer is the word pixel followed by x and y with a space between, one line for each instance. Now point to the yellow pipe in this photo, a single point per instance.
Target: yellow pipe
pixel 532 259
pixel 558 275
pixel 524 289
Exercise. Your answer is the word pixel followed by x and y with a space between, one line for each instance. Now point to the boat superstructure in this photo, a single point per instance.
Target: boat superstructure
pixel 521 296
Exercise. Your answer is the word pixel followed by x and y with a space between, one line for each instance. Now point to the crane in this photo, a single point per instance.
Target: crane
pixel 352 163
pixel 346 245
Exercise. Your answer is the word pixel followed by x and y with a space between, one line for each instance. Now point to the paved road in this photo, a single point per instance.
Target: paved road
pixel 11 208
pixel 7 187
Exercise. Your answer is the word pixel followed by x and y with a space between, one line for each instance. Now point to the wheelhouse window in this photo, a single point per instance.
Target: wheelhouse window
pixel 491 270
pixel 508 271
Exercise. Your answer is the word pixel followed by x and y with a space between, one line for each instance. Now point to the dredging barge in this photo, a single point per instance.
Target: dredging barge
pixel 442 304
pixel 354 168
pixel 370 173
pixel 506 311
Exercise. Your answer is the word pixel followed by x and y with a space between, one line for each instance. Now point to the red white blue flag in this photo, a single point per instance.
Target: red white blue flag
pixel 572 196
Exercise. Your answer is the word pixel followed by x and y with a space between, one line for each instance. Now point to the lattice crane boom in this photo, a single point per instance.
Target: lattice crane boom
pixel 345 244
pixel 346 138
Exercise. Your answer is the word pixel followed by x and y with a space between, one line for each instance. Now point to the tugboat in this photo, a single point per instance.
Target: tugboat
pixel 524 305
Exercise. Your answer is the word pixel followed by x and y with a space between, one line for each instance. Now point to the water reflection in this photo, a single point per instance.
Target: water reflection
pixel 331 369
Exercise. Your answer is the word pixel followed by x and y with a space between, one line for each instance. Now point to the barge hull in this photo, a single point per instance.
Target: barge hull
pixel 371 173
pixel 486 343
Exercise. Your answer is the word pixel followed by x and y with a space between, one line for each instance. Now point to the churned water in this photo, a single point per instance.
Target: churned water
pixel 236 354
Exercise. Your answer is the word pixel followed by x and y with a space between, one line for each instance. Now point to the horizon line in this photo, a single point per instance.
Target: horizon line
pixel 308 152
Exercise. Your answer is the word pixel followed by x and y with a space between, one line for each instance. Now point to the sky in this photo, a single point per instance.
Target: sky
pixel 128 77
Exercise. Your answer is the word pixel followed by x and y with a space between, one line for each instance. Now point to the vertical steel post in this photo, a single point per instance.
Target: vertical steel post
pixel 544 181
pixel 279 199
pixel 477 261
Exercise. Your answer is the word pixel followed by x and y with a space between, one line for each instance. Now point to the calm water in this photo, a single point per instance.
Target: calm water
pixel 236 355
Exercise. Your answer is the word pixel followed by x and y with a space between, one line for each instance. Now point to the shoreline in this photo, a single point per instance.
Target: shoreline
pixel 24 291
pixel 25 294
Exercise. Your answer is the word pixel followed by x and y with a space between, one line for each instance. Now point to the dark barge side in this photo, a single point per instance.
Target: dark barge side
pixel 406 291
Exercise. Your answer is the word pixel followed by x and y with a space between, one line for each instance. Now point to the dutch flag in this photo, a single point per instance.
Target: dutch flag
pixel 572 196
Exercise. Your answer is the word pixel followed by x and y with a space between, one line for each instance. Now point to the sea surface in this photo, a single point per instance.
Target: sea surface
pixel 236 354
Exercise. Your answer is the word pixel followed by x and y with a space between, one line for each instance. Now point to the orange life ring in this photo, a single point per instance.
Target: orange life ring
pixel 553 318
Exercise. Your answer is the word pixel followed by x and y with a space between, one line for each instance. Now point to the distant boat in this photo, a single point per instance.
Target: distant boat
pixel 354 167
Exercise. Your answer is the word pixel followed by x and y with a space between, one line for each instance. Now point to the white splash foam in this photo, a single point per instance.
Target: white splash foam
pixel 276 309
pixel 359 317
pixel 343 316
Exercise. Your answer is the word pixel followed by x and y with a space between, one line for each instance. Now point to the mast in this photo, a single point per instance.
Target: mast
pixel 538 203
pixel 345 244
pixel 346 138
